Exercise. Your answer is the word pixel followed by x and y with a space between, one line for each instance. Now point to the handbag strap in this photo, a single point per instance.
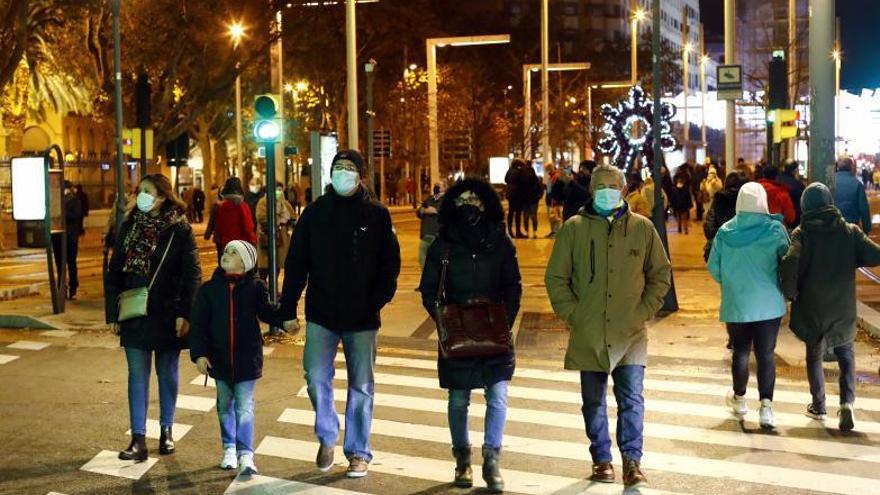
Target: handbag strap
pixel 161 262
pixel 441 288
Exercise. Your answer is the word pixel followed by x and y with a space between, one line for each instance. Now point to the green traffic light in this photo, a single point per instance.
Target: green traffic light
pixel 267 130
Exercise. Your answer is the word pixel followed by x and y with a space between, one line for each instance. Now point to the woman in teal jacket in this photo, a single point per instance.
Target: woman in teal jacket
pixel 745 261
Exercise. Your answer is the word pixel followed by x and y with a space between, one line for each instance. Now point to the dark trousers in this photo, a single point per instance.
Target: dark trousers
pixel 816 375
pixel 72 252
pixel 762 336
pixel 514 214
pixel 628 391
pixel 700 209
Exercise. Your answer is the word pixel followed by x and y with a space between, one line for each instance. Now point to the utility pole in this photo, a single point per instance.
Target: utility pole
pixel 792 68
pixel 685 79
pixel 351 83
pixel 703 62
pixel 370 69
pixel 729 59
pixel 670 302
pixel 117 96
pixel 822 75
pixel 545 82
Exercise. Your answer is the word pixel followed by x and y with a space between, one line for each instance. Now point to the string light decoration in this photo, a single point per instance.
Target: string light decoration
pixel 619 142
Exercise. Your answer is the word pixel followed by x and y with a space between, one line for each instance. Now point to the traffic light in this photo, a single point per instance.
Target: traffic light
pixel 784 124
pixel 267 127
pixel 778 94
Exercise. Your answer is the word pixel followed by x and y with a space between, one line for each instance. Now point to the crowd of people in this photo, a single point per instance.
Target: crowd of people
pixel 607 276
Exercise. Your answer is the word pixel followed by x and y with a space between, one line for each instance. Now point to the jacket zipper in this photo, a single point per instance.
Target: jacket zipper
pixel 473 273
pixel 232 329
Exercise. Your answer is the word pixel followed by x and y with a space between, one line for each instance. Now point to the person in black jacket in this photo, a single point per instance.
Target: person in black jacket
pixel 345 247
pixel 482 265
pixel 231 350
pixel 155 248
pixel 74 220
pixel 516 197
pixel 577 191
pixel 723 208
pixel 789 178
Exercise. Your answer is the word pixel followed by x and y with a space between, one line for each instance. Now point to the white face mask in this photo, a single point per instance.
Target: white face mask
pixel 344 181
pixel 145 201
pixel 255 189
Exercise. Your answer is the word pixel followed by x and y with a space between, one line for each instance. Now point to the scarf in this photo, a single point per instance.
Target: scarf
pixel 143 238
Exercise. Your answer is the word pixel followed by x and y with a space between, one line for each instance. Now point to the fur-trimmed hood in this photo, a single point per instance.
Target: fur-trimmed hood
pixel 494 212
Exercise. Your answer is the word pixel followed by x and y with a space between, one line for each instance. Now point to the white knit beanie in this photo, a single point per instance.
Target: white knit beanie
pixel 247 252
pixel 752 198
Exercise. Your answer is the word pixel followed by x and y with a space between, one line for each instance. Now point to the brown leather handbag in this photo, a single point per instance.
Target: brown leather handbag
pixel 477 329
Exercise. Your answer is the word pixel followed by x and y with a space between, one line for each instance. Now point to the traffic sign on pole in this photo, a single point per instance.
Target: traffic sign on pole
pixel 382 143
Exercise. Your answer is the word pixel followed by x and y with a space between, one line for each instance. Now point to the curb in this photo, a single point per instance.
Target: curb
pixel 24 322
pixel 11 293
pixel 868 319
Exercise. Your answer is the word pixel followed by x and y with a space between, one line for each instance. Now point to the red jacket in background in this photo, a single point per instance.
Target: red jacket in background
pixel 234 223
pixel 779 200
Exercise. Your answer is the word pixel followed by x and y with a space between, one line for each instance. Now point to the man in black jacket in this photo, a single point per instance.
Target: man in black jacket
pixel 345 247
pixel 789 179
pixel 73 213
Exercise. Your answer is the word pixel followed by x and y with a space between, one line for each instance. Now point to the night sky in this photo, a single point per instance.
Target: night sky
pixel 859 20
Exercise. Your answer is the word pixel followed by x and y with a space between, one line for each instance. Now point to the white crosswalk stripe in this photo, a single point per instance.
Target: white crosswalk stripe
pixel 793 478
pixel 7 358
pixel 108 463
pixel 28 345
pixel 417 408
pixel 685 387
pixel 266 485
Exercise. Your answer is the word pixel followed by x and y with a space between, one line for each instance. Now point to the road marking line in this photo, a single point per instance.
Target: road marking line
pixel 681 464
pixel 677 408
pixel 194 403
pixel 200 381
pixel 266 485
pixel 441 471
pixel 802 446
pixel 696 388
pixel 7 358
pixel 154 428
pixel 61 334
pixel 108 463
pixel 28 345
pixel 268 351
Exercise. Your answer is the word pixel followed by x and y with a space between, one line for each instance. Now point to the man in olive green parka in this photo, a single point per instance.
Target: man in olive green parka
pixel 607 276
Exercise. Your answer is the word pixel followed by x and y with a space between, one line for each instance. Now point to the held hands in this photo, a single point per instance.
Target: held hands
pixel 203 365
pixel 114 328
pixel 181 327
pixel 430 210
pixel 291 326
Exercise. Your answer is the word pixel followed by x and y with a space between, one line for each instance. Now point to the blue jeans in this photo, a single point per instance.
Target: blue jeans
pixel 139 386
pixel 628 383
pixel 496 416
pixel 235 408
pixel 360 358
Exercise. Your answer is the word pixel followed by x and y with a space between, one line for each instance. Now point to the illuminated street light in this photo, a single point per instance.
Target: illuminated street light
pixel 431 45
pixel 302 86
pixel 236 32
pixel 288 88
pixel 527 95
pixel 638 15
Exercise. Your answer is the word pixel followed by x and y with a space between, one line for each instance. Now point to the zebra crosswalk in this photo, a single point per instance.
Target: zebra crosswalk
pixel 546 449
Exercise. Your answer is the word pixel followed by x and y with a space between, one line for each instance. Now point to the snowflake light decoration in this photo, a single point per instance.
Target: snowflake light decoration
pixel 619 141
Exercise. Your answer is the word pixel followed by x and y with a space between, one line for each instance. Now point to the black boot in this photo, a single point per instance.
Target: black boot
pixel 464 476
pixel 491 472
pixel 166 442
pixel 136 451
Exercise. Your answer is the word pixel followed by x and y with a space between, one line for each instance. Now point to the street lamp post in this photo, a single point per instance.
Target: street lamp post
pixel 527 95
pixel 822 75
pixel 638 15
pixel 729 58
pixel 686 83
pixel 117 96
pixel 236 31
pixel 836 54
pixel 431 45
pixel 351 58
pixel 547 154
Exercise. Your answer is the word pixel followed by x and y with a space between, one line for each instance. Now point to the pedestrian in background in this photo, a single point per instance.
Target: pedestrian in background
pixel 577 191
pixel 681 201
pixel 708 187
pixel 154 249
pixel 876 177
pixel 791 181
pixel 634 197
pixel 850 197
pixel 345 247
pixel 745 261
pixel 74 221
pixel 723 208
pixel 516 197
pixel 648 194
pixel 199 204
pixel 83 200
pixel 226 343
pixel 700 173
pixel 818 275
pixel 429 223
pixel 253 195
pixel 606 295
pixel 480 263
pixel 533 191
pixel 234 220
pixel 778 198
pixel 284 220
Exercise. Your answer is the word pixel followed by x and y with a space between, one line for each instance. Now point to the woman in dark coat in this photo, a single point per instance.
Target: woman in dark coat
pixel 818 274
pixel 723 208
pixel 482 265
pixel 156 224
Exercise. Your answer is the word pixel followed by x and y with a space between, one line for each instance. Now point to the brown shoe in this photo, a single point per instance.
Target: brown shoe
pixel 357 468
pixel 324 459
pixel 632 473
pixel 603 472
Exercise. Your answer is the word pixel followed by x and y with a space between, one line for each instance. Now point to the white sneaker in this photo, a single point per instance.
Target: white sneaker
pixel 766 415
pixel 847 417
pixel 230 461
pixel 737 403
pixel 246 461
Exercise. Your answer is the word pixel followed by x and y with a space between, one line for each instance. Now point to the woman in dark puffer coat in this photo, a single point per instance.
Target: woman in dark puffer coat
pixel 482 265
